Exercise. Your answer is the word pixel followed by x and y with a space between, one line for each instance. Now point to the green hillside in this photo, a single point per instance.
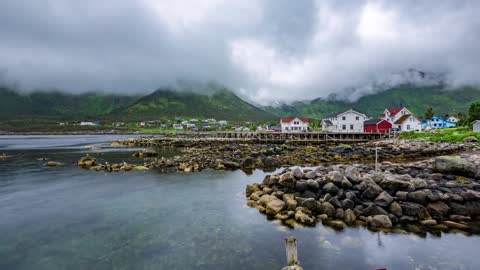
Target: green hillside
pixel 220 104
pixel 58 105
pixel 417 99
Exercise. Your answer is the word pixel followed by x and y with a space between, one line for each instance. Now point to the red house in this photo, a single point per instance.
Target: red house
pixel 377 125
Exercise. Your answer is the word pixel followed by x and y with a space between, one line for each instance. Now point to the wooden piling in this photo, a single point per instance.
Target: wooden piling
pixel 291 251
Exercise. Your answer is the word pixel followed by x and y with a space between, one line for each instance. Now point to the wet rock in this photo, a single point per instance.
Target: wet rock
pixel 275 206
pixel 415 210
pixel 345 183
pixel 396 209
pixel 419 183
pixel 54 164
pixel 291 204
pixel 311 175
pixel 456 225
pixel 87 162
pixel 328 209
pixel 250 189
pixel 428 222
pixel 337 224
pixel 304 218
pixel 349 217
pixel 383 199
pixel 372 192
pixel 380 221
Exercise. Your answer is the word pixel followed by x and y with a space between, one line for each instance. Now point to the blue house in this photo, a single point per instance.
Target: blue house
pixel 437 122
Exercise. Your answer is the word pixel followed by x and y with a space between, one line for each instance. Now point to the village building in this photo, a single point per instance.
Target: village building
pixel 349 121
pixel 476 126
pixel 377 126
pixel 294 124
pixel 177 126
pixel 453 119
pixel 437 122
pixel 87 123
pixel 402 119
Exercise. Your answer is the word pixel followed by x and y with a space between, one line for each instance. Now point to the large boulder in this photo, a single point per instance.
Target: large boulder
pixel 250 189
pixel 380 221
pixel 328 209
pixel 396 209
pixel 248 163
pixel 415 210
pixel 455 165
pixel 275 206
pixel 470 139
pixel 352 174
pixel 372 191
pixel 349 217
pixel 394 184
pixel 269 162
pixel 304 218
pixel 312 184
pixel 418 196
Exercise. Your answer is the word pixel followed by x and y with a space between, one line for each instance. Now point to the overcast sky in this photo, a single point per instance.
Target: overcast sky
pixel 264 49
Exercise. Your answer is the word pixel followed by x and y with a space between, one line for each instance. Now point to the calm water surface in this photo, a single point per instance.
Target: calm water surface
pixel 69 218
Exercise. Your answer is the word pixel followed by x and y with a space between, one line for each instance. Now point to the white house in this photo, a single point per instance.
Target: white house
pixel 349 121
pixel 476 126
pixel 453 119
pixel 294 124
pixel 86 123
pixel 402 118
pixel 178 126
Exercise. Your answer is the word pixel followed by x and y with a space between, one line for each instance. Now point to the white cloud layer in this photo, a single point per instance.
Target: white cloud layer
pixel 268 50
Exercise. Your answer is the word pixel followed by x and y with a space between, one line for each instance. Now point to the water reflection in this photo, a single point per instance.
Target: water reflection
pixel 69 218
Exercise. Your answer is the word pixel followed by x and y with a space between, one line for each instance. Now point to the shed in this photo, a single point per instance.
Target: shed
pixel 476 126
pixel 377 125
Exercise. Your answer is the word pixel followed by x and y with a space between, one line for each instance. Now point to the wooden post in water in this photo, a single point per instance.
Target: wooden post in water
pixel 292 258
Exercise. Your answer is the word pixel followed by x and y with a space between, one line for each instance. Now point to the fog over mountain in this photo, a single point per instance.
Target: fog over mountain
pixel 267 50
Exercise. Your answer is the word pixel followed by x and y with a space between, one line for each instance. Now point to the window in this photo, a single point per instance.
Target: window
pixel 408 127
pixel 351 127
pixel 343 117
pixel 286 128
pixel 344 127
pixel 357 118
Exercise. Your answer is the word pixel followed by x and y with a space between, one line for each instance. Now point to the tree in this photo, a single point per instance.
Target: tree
pixel 463 119
pixel 474 112
pixel 429 113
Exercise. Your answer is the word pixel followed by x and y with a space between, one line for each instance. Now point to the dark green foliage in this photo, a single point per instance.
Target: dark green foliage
pixel 474 112
pixel 58 105
pixel 429 113
pixel 440 99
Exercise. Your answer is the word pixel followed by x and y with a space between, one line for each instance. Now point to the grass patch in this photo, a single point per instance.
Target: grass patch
pixel 445 134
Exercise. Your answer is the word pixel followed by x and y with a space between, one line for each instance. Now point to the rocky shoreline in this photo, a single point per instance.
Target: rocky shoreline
pixel 439 194
pixel 224 155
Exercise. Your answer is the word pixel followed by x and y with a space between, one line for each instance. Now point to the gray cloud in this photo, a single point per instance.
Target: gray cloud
pixel 266 50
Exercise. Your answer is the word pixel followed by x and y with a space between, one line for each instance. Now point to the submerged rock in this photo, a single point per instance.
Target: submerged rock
pixel 87 162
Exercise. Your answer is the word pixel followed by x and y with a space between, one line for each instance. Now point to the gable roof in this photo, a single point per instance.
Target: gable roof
pixel 476 121
pixel 340 113
pixel 328 122
pixel 374 121
pixel 404 117
pixel 290 119
pixel 394 111
pixel 331 115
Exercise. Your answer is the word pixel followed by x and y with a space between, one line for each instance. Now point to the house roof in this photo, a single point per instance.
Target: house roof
pixel 476 121
pixel 394 111
pixel 328 122
pixel 340 113
pixel 402 119
pixel 332 115
pixel 374 121
pixel 290 119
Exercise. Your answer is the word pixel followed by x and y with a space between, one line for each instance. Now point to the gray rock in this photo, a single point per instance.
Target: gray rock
pixel 304 218
pixel 348 204
pixel 312 184
pixel 396 209
pixel 335 176
pixel 393 184
pixel 311 175
pixel 415 210
pixel 418 196
pixel 287 180
pixel 335 202
pixel 352 174
pixel 330 188
pixel 345 183
pixel 383 199
pixel 470 139
pixel 372 192
pixel 419 183
pixel 328 209
pixel 373 210
pixel 454 164
pixel 301 186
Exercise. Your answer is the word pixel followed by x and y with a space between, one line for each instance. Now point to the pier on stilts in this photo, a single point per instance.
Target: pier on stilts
pixel 276 137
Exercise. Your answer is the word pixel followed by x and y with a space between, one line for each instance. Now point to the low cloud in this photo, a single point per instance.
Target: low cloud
pixel 266 50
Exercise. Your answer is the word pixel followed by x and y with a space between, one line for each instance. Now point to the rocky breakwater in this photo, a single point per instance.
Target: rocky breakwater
pixel 90 163
pixel 440 194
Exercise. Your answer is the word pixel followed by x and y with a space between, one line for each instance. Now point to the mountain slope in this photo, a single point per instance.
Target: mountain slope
pixel 417 99
pixel 58 105
pixel 219 104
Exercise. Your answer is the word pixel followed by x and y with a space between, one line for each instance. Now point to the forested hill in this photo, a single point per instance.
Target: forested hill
pixel 417 99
